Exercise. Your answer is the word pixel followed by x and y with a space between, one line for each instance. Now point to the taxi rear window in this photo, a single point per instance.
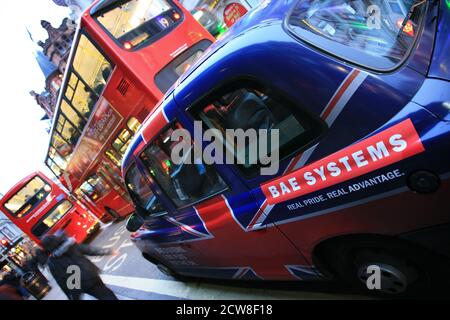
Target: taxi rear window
pixel 376 34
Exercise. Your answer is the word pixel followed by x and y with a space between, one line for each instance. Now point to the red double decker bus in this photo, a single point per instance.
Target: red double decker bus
pixel 38 206
pixel 126 55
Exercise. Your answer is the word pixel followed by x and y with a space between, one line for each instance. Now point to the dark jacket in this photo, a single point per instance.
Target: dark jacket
pixel 60 253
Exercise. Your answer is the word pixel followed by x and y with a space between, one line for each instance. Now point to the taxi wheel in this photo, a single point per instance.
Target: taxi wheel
pixel 166 270
pixel 163 268
pixel 403 271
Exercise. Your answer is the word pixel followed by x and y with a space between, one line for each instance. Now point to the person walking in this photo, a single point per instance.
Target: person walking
pixel 67 260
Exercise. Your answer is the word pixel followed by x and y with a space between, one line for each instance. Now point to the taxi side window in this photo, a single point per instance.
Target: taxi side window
pixel 186 183
pixel 141 193
pixel 253 107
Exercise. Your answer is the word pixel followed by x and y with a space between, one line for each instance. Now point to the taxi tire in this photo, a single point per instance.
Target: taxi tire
pixel 163 268
pixel 344 257
pixel 166 270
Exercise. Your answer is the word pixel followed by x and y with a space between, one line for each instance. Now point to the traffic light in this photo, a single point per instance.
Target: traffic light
pixel 5 243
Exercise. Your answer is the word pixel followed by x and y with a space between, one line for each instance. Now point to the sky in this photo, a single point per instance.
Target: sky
pixel 24 140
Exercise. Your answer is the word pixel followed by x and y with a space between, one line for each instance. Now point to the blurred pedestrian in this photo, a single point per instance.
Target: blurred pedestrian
pixel 8 292
pixel 64 257
pixel 12 280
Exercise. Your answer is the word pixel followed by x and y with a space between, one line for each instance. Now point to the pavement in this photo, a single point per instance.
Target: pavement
pixel 131 277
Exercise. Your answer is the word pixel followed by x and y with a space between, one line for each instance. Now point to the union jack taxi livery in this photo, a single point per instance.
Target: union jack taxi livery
pixel 363 116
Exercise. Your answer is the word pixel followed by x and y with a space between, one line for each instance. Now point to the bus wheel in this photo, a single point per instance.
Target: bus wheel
pixel 381 267
pixel 116 217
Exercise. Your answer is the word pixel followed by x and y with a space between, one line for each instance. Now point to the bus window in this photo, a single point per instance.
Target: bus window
pixel 62 146
pixel 67 130
pixel 57 171
pixel 51 218
pixel 137 22
pixel 117 177
pixel 82 98
pixel 122 141
pixel 253 109
pixel 186 183
pixel 91 65
pixel 112 155
pixel 27 198
pixel 167 76
pixel 73 115
pixel 141 192
pixel 90 71
pixel 57 159
pixel 55 162
pixel 95 187
pixel 133 124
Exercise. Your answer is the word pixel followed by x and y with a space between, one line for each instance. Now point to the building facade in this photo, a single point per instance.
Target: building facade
pixel 53 80
pixel 77 7
pixel 52 58
pixel 58 44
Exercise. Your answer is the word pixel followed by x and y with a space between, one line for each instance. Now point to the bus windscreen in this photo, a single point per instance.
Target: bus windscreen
pixel 27 198
pixel 137 21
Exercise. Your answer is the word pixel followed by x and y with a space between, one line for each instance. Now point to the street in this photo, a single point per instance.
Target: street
pixel 130 276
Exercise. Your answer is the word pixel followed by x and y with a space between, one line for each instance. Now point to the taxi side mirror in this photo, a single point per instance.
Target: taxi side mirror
pixel 134 223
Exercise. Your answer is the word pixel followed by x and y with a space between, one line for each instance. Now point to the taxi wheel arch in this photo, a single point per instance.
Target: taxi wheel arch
pixel 343 257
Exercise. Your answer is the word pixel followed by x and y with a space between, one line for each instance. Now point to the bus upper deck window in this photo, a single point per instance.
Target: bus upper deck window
pixel 91 70
pixel 74 116
pixel 90 63
pixel 137 22
pixel 57 158
pixel 63 147
pixel 377 34
pixel 66 129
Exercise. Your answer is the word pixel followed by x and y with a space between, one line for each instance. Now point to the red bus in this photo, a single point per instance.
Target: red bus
pixel 126 55
pixel 38 206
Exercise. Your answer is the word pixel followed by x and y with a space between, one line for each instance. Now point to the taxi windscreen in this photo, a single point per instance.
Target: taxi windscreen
pixel 377 34
pixel 135 22
pixel 28 197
